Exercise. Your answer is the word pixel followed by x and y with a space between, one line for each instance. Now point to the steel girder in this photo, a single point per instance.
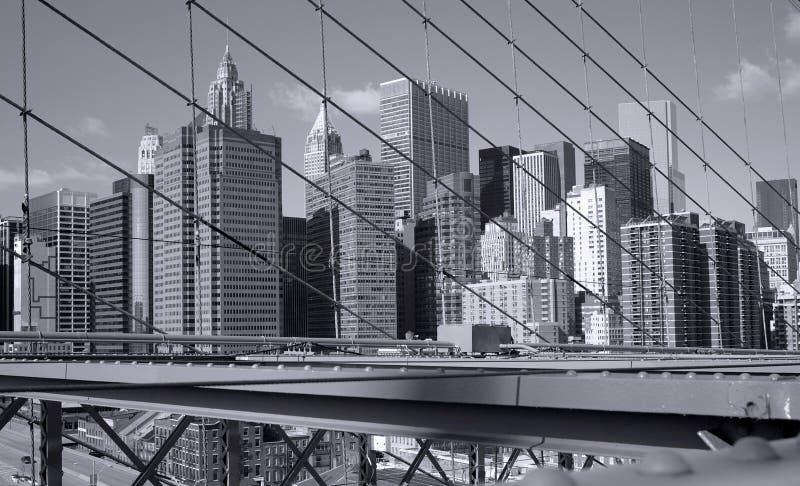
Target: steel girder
pixel 367 470
pixel 159 456
pixel 231 452
pixel 302 457
pixel 477 465
pixel 512 459
pixel 50 444
pixel 412 468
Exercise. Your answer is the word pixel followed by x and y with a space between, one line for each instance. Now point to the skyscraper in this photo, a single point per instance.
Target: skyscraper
pixel 667 314
pixel 565 152
pixel 405 124
pixel 238 191
pixel 363 256
pixel 121 269
pixel 631 168
pixel 148 147
pixel 314 153
pixel 532 196
pixel 731 286
pixel 228 99
pixel 497 188
pixel 295 294
pixel 775 208
pixel 634 123
pixel 779 252
pixel 598 264
pixel 62 221
pixel 10 227
pixel 460 249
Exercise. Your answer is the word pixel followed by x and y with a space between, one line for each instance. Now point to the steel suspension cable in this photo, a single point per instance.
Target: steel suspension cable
pixel 261 150
pixel 750 176
pixel 674 95
pixel 440 284
pixel 699 117
pixel 327 164
pixel 779 77
pixel 530 106
pixel 511 43
pixel 26 244
pixel 654 160
pixel 607 126
pixel 401 72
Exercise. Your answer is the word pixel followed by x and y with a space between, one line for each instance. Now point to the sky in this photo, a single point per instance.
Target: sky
pixel 82 88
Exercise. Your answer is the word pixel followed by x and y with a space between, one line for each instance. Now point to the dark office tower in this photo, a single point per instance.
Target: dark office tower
pixel 775 208
pixel 497 181
pixel 120 232
pixel 731 286
pixel 174 263
pixel 631 170
pixel 405 123
pixel 404 229
pixel 62 220
pixel 668 314
pixel 565 152
pixel 295 294
pixel 10 226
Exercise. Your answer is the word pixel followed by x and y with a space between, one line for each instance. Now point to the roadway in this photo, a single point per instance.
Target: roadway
pixel 15 442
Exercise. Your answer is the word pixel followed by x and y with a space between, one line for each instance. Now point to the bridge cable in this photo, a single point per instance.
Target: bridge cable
pixel 699 117
pixel 541 115
pixel 327 164
pixel 683 191
pixel 382 57
pixel 671 93
pixel 657 208
pixel 26 205
pixel 439 283
pixel 750 176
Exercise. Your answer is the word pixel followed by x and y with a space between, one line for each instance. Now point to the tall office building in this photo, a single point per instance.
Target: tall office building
pixel 634 123
pixel 565 152
pixel 731 286
pixel 631 170
pixel 174 264
pixel 460 245
pixel 62 221
pixel 598 263
pixel 771 197
pixel 779 252
pixel 238 191
pixel 363 256
pixel 500 252
pixel 405 276
pixel 405 123
pixel 532 196
pixel 665 313
pixel 787 316
pixel 496 175
pixel 120 268
pixel 148 147
pixel 10 227
pixel 228 99
pixel 314 153
pixel 295 294
pixel 545 306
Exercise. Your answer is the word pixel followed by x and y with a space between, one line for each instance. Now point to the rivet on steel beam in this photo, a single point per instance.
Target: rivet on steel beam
pixel 308 367
pixel 149 363
pixel 134 362
pixel 255 365
pixel 87 361
pixel 117 362
pixel 605 373
pixel 231 365
pixel 572 373
pixel 642 374
pixel 280 366
pixel 403 369
pixel 368 368
pixel 718 376
pixel 744 376
pixel 666 374
pixel 209 365
pixel 663 463
pixel 549 477
pixel 774 377
pixel 440 370
pixel 337 368
pixel 752 449
pixel 188 365
pixel 691 375
pixel 169 363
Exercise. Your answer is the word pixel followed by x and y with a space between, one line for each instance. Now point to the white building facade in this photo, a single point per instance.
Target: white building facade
pixel 530 196
pixel 148 147
pixel 780 253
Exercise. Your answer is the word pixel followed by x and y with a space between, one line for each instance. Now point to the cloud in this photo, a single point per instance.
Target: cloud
pixel 792 26
pixel 358 101
pixel 55 175
pixel 91 126
pixel 756 81
pixel 790 74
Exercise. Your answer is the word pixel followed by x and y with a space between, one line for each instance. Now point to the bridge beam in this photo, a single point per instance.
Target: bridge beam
pixel 176 434
pixel 435 463
pixel 512 459
pixel 231 452
pixel 477 470
pixel 10 410
pixel 367 470
pixel 566 461
pixel 302 457
pixel 412 468
pixel 50 471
